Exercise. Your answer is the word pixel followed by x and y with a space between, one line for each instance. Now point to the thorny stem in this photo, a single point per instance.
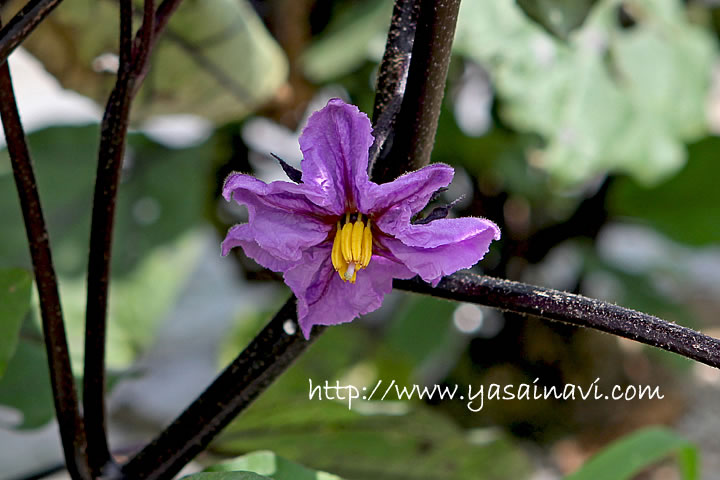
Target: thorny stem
pixel 392 76
pixel 573 309
pixel 61 378
pixel 416 123
pixel 22 24
pixel 134 58
pixel 393 71
pixel 268 355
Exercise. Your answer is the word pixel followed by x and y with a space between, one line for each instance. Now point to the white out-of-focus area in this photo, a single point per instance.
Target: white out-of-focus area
pixel 178 131
pixel 41 99
pixel 43 102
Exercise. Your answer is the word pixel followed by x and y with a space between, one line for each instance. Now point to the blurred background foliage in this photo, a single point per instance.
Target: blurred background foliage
pixel 585 129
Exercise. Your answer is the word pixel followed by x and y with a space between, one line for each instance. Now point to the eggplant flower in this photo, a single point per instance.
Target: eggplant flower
pixel 338 238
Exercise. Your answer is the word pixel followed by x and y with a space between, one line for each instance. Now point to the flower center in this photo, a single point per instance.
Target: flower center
pixel 352 248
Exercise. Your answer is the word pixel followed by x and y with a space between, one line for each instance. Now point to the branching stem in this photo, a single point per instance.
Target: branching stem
pixel 416 123
pixel 134 61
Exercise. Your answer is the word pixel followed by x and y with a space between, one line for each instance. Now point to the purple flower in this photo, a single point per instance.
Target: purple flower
pixel 340 239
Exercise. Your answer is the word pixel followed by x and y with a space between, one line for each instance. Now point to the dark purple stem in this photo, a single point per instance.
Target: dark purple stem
pixel 163 14
pixel 22 24
pixel 416 122
pixel 65 397
pixel 393 70
pixel 144 40
pixel 112 146
pixel 573 309
pixel 392 74
pixel 271 352
pixel 134 59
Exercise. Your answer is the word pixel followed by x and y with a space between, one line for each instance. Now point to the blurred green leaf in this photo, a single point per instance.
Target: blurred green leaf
pixel 685 207
pixel 558 17
pixel 26 385
pixel 379 440
pixel 161 196
pixel 633 453
pixel 161 202
pixel 604 100
pixel 215 59
pixel 350 352
pixel 227 476
pixel 274 466
pixel 388 441
pixel 138 302
pixel 15 288
pixel 422 328
pixel 347 40
pixel 64 166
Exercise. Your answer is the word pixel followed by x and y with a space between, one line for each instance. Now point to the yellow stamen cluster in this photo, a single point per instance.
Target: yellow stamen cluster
pixel 352 248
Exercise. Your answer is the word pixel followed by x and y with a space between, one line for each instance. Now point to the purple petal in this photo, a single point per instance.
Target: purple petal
pixel 445 231
pixel 282 219
pixel 324 299
pixel 287 196
pixel 442 247
pixel 396 202
pixel 335 147
pixel 242 236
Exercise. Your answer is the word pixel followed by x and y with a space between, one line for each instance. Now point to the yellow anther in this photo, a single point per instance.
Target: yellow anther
pixel 352 248
pixel 347 239
pixel 367 242
pixel 357 238
pixel 342 271
pixel 336 256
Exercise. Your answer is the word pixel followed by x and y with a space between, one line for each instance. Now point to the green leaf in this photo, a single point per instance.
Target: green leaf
pixel 139 301
pixel 339 353
pixel 15 288
pixel 26 385
pixel 161 202
pixel 271 465
pixel 227 476
pixel 639 450
pixel 602 101
pixel 422 329
pixel 215 59
pixel 389 440
pixel 558 17
pixel 160 198
pixel 685 207
pixel 346 43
